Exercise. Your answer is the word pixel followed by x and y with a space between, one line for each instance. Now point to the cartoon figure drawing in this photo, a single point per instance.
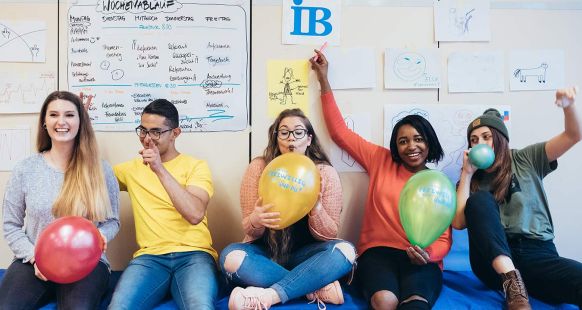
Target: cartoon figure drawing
pixel 287 80
pixel 537 72
pixel 291 85
pixel 459 20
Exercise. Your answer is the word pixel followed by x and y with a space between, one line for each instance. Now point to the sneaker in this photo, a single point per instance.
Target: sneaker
pixel 515 293
pixel 331 294
pixel 250 298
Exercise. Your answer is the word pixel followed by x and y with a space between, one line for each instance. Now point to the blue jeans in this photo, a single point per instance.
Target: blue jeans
pixel 191 278
pixel 309 268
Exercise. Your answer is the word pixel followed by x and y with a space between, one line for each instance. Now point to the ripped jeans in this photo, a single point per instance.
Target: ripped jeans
pixel 309 268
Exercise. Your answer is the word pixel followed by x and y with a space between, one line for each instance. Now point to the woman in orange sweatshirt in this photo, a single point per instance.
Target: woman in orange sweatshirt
pixel 392 272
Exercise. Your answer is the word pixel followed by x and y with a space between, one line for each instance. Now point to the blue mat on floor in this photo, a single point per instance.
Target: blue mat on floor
pixel 461 290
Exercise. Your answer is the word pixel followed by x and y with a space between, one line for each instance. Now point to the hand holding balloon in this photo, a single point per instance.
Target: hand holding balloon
pixel 67 250
pixel 261 218
pixel 467 168
pixel 37 272
pixel 291 183
pixel 103 241
pixel 427 206
pixel 417 255
pixel 318 206
pixel 482 156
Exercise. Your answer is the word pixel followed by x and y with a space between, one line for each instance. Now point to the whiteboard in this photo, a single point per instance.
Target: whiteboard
pixel 195 55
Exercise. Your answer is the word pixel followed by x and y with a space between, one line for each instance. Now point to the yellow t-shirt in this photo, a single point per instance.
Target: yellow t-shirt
pixel 159 227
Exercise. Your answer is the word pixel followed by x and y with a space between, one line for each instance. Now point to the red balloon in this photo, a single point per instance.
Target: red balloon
pixel 68 249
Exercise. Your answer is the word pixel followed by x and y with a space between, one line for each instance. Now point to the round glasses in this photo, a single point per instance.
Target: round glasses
pixel 155 134
pixel 297 133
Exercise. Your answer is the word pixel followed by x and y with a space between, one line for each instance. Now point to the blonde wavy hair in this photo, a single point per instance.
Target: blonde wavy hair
pixel 84 192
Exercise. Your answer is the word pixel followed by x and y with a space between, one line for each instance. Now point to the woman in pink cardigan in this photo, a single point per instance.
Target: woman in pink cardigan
pixel 304 259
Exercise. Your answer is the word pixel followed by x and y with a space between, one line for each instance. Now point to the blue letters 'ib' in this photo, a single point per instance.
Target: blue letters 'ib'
pixel 312 20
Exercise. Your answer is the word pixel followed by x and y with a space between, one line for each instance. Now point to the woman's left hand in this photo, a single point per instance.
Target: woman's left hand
pixel 318 205
pixel 417 255
pixel 103 241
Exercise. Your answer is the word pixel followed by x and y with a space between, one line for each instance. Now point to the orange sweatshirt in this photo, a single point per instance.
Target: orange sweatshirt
pixel 381 226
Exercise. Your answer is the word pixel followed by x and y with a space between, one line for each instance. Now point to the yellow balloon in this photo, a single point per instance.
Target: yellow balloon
pixel 291 182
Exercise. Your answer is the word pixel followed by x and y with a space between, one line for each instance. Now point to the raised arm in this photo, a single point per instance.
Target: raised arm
pixel 572 133
pixel 463 191
pixel 360 149
pixel 320 65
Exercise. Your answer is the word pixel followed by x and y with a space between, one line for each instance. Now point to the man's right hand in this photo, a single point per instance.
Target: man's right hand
pixel 86 103
pixel 151 156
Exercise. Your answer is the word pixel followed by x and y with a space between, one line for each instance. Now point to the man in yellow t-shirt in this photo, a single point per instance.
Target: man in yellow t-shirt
pixel 169 194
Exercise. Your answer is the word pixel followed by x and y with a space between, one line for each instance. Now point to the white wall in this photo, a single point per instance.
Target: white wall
pixel 371 24
pixel 534 117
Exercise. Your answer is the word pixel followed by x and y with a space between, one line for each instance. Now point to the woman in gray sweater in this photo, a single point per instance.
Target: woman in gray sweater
pixel 64 178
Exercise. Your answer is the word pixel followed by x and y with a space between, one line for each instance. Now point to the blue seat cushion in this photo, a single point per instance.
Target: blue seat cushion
pixel 461 289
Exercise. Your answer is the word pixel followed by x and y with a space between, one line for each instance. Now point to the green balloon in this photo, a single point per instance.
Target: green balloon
pixel 427 206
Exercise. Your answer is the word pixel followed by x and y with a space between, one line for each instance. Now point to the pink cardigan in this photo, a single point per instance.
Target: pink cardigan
pixel 323 223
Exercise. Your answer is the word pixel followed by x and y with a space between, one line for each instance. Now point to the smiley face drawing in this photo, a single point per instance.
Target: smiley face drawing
pixel 409 66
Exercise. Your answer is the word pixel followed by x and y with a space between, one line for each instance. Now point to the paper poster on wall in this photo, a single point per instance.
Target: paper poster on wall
pixel 536 69
pixel 287 85
pixel 359 123
pixel 467 20
pixel 23 41
pixel 24 92
pixel 476 72
pixel 311 22
pixel 15 146
pixel 351 68
pixel 195 55
pixel 450 123
pixel 408 68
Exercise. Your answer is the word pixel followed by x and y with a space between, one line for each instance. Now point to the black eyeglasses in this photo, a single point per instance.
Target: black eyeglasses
pixel 154 133
pixel 299 133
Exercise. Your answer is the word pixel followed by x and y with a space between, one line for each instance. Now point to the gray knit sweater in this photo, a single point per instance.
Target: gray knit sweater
pixel 30 193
